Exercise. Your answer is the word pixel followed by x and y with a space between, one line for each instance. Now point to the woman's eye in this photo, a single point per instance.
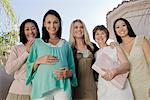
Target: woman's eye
pixel 117 27
pixel 81 27
pixel 102 33
pixel 26 29
pixel 96 33
pixel 49 22
pixel 75 27
pixel 56 22
pixel 33 28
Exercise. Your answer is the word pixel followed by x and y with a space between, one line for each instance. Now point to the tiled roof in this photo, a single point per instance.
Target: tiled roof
pixel 118 6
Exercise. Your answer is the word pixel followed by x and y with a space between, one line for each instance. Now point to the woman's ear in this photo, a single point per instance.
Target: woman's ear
pixel 44 24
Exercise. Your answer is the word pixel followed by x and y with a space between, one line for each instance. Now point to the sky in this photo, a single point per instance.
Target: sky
pixel 91 12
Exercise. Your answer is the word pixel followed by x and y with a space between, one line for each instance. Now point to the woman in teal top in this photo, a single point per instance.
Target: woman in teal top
pixel 48 55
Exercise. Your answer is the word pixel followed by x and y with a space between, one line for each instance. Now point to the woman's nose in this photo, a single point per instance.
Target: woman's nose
pixel 30 31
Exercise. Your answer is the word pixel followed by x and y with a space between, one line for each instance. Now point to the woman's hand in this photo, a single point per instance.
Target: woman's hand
pixel 113 44
pixel 28 45
pixel 48 59
pixel 109 74
pixel 63 73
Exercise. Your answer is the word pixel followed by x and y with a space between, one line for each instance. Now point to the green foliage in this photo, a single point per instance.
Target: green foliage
pixel 9 11
pixel 7 40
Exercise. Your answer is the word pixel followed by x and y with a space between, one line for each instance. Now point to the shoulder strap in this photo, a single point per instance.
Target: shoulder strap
pixel 139 40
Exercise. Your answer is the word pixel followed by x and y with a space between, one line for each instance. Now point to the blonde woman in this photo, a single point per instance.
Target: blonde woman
pixel 84 56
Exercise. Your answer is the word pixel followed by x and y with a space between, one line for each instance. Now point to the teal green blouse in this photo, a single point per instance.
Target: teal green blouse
pixel 44 80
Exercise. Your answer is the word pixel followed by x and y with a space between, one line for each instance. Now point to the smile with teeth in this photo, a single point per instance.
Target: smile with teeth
pixel 52 28
pixel 122 32
pixel 100 39
pixel 31 36
pixel 79 33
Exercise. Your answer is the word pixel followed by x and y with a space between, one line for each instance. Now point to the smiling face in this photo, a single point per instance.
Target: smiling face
pixel 52 24
pixel 100 37
pixel 121 28
pixel 78 30
pixel 30 31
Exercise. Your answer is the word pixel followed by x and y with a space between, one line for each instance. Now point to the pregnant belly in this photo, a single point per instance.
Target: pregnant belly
pixel 50 67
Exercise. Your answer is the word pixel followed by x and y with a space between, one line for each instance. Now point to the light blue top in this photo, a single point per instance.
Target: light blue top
pixel 43 79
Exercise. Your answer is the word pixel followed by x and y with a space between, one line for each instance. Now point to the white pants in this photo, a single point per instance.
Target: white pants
pixel 59 94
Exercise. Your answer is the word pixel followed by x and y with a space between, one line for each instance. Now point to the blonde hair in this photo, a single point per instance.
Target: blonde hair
pixel 85 34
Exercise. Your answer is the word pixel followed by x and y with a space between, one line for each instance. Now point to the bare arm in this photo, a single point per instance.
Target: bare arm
pixel 146 49
pixel 124 63
pixel 123 68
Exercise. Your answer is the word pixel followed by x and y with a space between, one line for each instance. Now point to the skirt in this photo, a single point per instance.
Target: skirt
pixel 11 96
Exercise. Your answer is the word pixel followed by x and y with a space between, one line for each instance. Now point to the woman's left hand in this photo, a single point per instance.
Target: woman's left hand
pixel 63 73
pixel 109 74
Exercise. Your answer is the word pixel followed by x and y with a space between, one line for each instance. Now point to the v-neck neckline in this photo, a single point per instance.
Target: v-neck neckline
pixel 133 45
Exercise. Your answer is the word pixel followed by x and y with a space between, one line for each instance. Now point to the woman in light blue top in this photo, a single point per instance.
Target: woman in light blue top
pixel 50 54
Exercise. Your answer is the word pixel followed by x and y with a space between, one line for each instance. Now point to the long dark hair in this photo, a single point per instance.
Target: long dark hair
pixel 45 34
pixel 130 30
pixel 23 38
